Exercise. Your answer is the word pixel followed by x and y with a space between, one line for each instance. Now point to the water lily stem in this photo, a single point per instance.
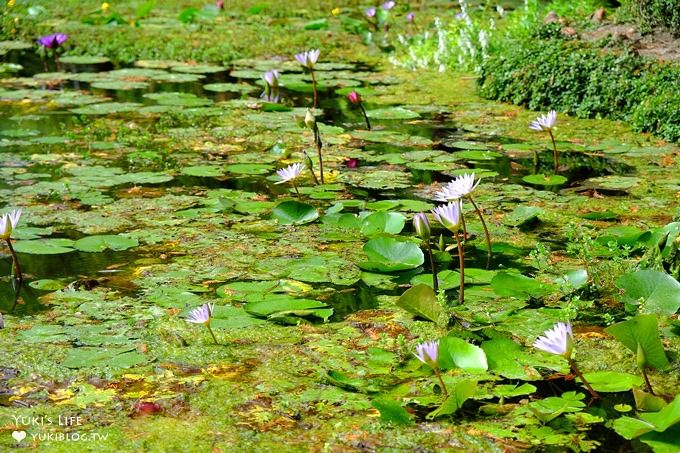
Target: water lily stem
pixel 552 137
pixel 577 372
pixel 316 98
pixel 461 261
pixel 368 123
pixel 441 382
pixel 16 267
pixel 647 383
pixel 486 230
pixel 435 279
pixel 211 333
pixel 296 189
pixel 317 142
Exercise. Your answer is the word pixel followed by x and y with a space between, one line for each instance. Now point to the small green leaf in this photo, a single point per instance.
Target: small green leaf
pixel 457 353
pixel 421 301
pixel 460 393
pixel 641 330
pixel 391 411
pixel 294 212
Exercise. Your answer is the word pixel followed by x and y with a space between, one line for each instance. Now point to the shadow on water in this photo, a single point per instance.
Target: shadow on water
pixel 83 268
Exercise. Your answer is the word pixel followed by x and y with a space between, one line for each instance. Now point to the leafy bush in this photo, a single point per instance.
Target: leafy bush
pixel 588 82
pixel 654 13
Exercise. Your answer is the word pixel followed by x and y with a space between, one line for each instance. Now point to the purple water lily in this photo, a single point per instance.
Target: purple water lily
pixel 53 41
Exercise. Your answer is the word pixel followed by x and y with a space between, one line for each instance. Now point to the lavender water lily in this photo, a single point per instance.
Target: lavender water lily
pixel 308 59
pixel 203 315
pixel 449 216
pixel 547 123
pixel 428 353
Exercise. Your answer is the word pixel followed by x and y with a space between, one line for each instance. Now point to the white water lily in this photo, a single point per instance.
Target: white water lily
pixel 458 188
pixel 428 353
pixel 290 173
pixel 308 58
pixel 544 122
pixel 448 215
pixel 202 314
pixel 558 340
pixel 9 222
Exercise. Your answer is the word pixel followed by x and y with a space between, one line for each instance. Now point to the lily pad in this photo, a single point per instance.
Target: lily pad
pixel 105 242
pixel 44 246
pixel 294 212
pixel 83 59
pixel 392 113
pixel 387 254
pixel 545 180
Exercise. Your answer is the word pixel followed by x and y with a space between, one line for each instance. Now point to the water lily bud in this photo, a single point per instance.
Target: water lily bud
pixel 441 243
pixel 310 120
pixel 422 226
pixel 354 97
pixel 640 357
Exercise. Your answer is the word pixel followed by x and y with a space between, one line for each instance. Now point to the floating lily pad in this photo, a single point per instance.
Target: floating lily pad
pixel 545 180
pixel 178 99
pixel 107 108
pixel 477 155
pixel 613 182
pixel 460 144
pixel 83 59
pixel 105 242
pixel 199 69
pixel 392 113
pixel 422 301
pixel 388 254
pixel 44 246
pixel 653 291
pixel 120 85
pixel 294 212
pixel 522 215
pixel 229 87
pixel 249 169
pixel 206 171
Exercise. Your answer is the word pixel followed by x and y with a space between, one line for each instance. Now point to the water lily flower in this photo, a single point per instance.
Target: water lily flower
pixel 53 41
pixel 219 4
pixel 449 216
pixel 428 353
pixel 558 340
pixel 544 122
pixel 271 78
pixel 422 226
pixel 458 188
pixel 8 222
pixel 202 314
pixel 370 12
pixel 290 173
pixel 308 58
pixel 310 120
pixel 410 17
pixel 388 5
pixel 354 97
pixel 352 162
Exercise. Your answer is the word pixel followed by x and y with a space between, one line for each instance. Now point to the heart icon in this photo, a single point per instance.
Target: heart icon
pixel 19 435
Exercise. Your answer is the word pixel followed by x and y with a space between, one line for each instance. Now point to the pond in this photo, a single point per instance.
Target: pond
pixel 151 191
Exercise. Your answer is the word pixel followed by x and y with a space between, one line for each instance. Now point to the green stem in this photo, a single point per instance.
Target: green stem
pixel 296 189
pixel 211 333
pixel 317 141
pixel 18 275
pixel 552 137
pixel 461 261
pixel 486 230
pixel 316 99
pixel 647 383
pixel 368 123
pixel 577 372
pixel 441 381
pixel 435 279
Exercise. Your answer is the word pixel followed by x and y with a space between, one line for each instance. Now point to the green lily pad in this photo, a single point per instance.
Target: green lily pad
pixel 545 180
pixel 120 85
pixel 522 215
pixel 612 381
pixel 105 242
pixel 249 169
pixel 294 212
pixel 44 246
pixel 652 291
pixel 388 254
pixel 83 59
pixel 517 285
pixel 107 108
pixel 205 171
pixel 422 301
pixel 229 87
pixel 392 113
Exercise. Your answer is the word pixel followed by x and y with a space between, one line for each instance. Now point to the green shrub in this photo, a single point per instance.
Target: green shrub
pixel 653 13
pixel 588 82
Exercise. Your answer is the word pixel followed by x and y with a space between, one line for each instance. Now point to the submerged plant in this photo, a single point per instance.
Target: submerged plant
pixel 308 59
pixel 203 315
pixel 422 227
pixel 8 223
pixel 310 122
pixel 560 341
pixel 290 173
pixel 428 353
pixel 547 123
pixel 355 98
pixel 460 188
pixel 450 217
pixel 271 87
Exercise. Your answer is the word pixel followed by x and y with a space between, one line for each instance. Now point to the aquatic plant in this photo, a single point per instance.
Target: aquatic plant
pixel 355 98
pixel 290 173
pixel 53 41
pixel 428 353
pixel 8 223
pixel 547 123
pixel 271 87
pixel 450 217
pixel 203 315
pixel 310 122
pixel 308 59
pixel 560 341
pixel 462 187
pixel 423 230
